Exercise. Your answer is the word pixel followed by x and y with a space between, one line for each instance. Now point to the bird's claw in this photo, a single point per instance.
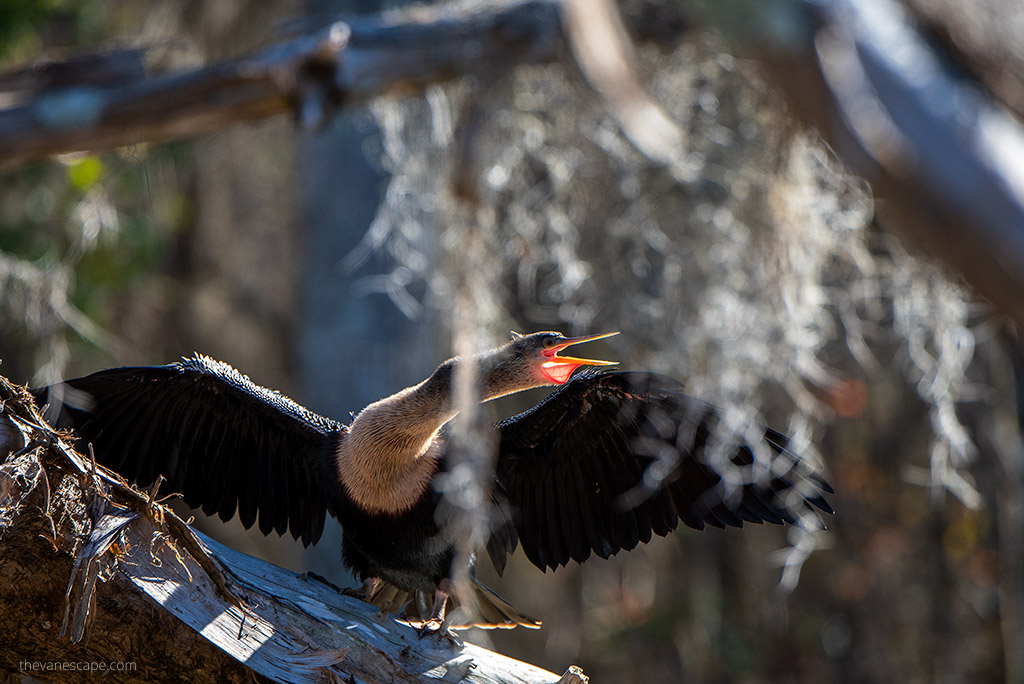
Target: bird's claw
pixel 439 630
pixel 431 626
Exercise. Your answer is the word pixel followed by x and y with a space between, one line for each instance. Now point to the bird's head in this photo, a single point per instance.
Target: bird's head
pixel 540 354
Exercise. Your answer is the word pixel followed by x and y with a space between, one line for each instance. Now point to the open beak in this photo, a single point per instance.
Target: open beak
pixel 558 369
pixel 552 353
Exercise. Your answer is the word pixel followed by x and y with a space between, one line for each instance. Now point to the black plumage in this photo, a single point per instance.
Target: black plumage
pixel 602 464
pixel 628 420
pixel 222 441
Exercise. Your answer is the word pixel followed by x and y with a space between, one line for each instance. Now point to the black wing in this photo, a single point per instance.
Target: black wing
pixel 219 439
pixel 612 457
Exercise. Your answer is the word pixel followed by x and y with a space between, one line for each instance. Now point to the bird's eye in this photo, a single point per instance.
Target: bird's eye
pixel 549 342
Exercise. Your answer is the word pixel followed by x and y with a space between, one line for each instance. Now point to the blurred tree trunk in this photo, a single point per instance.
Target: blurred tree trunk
pixel 354 345
pixel 241 256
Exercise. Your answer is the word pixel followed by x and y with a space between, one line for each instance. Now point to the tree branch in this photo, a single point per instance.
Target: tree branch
pixel 309 76
pixel 96 576
pixel 943 158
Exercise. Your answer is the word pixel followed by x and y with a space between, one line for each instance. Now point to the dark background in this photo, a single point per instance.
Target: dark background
pixel 330 265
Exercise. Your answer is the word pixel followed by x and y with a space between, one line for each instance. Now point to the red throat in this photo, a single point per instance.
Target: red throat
pixel 558 373
pixel 557 369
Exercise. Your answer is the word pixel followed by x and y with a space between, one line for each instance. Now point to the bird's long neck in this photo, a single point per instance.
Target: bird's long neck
pixel 391 450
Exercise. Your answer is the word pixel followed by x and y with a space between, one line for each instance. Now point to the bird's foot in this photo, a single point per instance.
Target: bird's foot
pixel 438 623
pixel 430 627
pixel 439 630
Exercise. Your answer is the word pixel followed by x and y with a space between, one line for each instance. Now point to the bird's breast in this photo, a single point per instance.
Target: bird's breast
pixel 387 472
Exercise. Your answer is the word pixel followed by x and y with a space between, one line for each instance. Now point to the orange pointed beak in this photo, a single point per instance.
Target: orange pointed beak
pixel 558 369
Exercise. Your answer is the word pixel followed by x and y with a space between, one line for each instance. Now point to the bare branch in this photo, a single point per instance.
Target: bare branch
pixel 943 158
pixel 309 76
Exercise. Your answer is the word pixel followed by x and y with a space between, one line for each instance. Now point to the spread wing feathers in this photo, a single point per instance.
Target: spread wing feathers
pixel 611 458
pixel 219 439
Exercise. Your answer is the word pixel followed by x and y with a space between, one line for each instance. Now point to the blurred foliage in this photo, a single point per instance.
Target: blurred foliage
pixel 784 23
pixel 77 233
pixel 94 227
pixel 29 26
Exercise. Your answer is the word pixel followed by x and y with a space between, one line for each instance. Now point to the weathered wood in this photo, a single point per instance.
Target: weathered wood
pixel 574 675
pixel 95 576
pixel 309 76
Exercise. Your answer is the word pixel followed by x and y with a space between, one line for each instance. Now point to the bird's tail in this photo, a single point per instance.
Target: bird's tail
pixel 488 610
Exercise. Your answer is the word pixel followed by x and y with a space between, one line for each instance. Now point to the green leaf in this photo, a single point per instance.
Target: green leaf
pixel 85 172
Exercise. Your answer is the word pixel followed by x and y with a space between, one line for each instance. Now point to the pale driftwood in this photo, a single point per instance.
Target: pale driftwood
pixel 93 572
pixel 344 62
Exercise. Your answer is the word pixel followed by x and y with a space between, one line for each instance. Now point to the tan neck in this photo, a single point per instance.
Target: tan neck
pixel 390 454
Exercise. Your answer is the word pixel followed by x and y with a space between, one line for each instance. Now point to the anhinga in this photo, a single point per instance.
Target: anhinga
pixel 598 466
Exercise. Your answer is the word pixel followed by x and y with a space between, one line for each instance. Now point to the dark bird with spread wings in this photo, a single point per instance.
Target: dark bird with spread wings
pixel 603 463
